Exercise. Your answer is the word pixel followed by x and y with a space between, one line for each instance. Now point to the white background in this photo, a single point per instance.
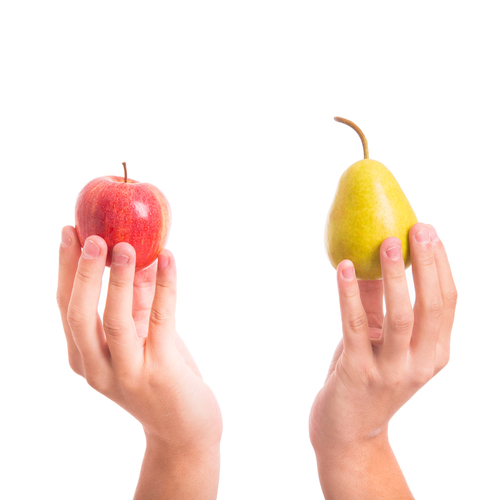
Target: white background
pixel 228 108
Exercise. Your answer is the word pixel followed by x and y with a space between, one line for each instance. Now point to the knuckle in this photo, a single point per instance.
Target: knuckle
pixel 401 320
pixel 393 376
pixel 127 381
pixel 84 275
pixel 61 299
pixel 357 322
pixel 442 359
pixel 397 276
pixel 372 374
pixel 112 326
pixel 76 317
pixel 93 380
pixel 97 382
pixel 369 376
pixel 426 259
pixel 349 294
pixel 117 281
pixel 441 363
pixel 75 364
pixel 435 307
pixel 393 382
pixel 167 287
pixel 451 298
pixel 422 374
pixel 159 316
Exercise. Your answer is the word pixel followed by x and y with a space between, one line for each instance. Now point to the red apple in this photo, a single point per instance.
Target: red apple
pixel 121 209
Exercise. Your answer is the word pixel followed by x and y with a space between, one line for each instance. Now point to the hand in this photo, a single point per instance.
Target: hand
pixel 383 360
pixel 134 356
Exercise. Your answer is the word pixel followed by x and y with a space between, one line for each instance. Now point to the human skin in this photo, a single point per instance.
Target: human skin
pixel 135 358
pixel 379 364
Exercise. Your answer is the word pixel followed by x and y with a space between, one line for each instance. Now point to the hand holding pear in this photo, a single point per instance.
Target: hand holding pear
pixel 369 206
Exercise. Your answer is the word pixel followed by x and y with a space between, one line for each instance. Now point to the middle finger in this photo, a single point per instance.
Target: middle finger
pixel 398 323
pixel 124 344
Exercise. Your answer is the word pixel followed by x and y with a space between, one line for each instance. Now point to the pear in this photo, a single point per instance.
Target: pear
pixel 369 206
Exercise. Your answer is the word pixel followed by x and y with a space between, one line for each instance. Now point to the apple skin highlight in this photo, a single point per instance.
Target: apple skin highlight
pixel 134 212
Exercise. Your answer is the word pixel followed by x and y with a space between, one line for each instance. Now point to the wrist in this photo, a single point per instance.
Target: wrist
pixel 180 472
pixel 361 469
pixel 183 440
pixel 355 449
pixel 179 453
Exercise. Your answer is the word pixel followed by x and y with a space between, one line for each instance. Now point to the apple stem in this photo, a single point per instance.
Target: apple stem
pixel 125 168
pixel 358 130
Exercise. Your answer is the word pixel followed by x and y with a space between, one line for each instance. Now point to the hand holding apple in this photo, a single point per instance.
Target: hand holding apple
pixel 119 209
pixel 135 357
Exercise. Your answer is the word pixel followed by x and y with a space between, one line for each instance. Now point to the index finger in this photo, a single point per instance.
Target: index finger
pixel 83 316
pixel 69 254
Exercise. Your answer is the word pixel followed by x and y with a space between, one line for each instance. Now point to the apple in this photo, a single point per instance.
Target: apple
pixel 121 209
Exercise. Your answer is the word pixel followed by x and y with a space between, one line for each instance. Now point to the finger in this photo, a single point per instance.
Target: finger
pixel 449 295
pixel 398 321
pixel 83 317
pixel 186 355
pixel 144 291
pixel 354 321
pixel 336 355
pixel 372 298
pixel 428 299
pixel 124 345
pixel 69 253
pixel 161 335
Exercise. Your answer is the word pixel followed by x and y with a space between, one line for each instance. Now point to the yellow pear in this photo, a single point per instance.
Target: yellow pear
pixel 369 206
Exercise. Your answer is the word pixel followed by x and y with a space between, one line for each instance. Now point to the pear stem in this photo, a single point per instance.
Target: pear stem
pixel 125 169
pixel 358 130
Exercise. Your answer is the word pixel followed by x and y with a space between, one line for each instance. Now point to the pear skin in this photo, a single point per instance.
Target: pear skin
pixel 369 206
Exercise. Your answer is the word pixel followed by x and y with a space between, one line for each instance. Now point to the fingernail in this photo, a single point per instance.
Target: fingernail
pixel 348 272
pixel 394 253
pixel 423 236
pixel 434 236
pixel 375 334
pixel 163 262
pixel 65 239
pixel 90 250
pixel 120 259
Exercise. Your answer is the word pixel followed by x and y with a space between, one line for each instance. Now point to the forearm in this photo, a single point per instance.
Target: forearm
pixel 180 476
pixel 362 471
